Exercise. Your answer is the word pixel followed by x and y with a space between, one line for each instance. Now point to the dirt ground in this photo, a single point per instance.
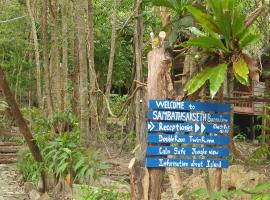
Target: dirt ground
pixel 9 183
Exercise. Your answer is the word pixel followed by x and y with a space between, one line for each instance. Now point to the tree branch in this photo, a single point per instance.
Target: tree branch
pixel 11 20
pixel 254 15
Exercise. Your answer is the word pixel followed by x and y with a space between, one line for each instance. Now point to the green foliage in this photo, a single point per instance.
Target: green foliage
pixel 259 192
pixel 224 35
pixel 102 193
pixel 214 74
pixel 117 102
pixel 3 107
pixel 15 46
pixel 241 71
pixel 260 154
pixel 175 5
pixel 240 137
pixel 28 166
pixel 63 154
pixel 206 42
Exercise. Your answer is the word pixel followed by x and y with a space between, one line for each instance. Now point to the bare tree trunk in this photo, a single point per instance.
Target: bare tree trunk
pixel 44 27
pixel 76 88
pixel 64 85
pixel 22 124
pixel 111 59
pixel 136 166
pixel 37 56
pixel 84 111
pixel 55 64
pixel 92 72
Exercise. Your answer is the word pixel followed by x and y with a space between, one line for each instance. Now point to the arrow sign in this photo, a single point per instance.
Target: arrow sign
pixel 151 126
pixel 188 105
pixel 197 128
pixel 184 116
pixel 202 128
pixel 186 151
pixel 185 163
pixel 188 139
pixel 187 127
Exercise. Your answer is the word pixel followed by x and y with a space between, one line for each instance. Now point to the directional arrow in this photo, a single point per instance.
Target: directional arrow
pixel 197 127
pixel 151 126
pixel 187 127
pixel 202 128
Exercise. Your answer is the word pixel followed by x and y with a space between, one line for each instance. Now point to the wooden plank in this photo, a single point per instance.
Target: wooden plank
pixel 8 161
pixel 9 149
pixel 244 110
pixel 9 144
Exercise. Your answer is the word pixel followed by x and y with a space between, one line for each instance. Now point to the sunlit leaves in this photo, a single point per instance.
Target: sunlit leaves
pixel 206 21
pixel 240 69
pixel 217 78
pixel 176 5
pixel 249 39
pixel 215 75
pixel 198 81
pixel 206 42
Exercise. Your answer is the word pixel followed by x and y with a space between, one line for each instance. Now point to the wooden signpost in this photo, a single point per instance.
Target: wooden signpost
pixel 173 126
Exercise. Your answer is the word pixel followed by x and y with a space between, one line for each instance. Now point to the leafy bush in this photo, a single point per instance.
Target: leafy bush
pixel 63 153
pixel 260 192
pixel 240 137
pixel 260 154
pixel 28 166
pixel 225 35
pixel 102 193
pixel 117 102
pixel 3 107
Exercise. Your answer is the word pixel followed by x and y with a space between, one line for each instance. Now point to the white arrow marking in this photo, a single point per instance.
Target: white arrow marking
pixel 151 126
pixel 202 128
pixel 197 127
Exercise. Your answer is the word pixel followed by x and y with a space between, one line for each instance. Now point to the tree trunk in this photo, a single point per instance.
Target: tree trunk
pixel 37 56
pixel 137 165
pixel 56 79
pixel 64 85
pixel 158 87
pixel 76 87
pixel 92 72
pixel 84 114
pixel 25 131
pixel 111 60
pixel 48 84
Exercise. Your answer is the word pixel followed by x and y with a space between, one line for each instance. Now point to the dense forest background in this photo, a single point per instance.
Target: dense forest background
pixel 79 72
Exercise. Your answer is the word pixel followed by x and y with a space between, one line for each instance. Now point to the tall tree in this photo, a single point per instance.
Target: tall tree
pixel 81 34
pixel 37 55
pixel 111 58
pixel 92 72
pixel 56 78
pixel 64 66
pixel 136 166
pixel 45 41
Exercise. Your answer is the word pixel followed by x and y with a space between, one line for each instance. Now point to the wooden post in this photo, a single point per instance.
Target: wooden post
pixel 22 124
pixel 158 87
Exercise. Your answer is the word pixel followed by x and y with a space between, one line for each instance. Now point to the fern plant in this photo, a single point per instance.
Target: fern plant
pixel 225 35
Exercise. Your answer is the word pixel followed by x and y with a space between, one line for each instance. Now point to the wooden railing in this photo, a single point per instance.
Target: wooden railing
pixel 243 107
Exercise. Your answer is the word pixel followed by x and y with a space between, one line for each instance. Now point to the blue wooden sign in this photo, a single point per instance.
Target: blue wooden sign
pixel 185 163
pixel 188 139
pixel 188 105
pixel 184 116
pixel 186 151
pixel 187 127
